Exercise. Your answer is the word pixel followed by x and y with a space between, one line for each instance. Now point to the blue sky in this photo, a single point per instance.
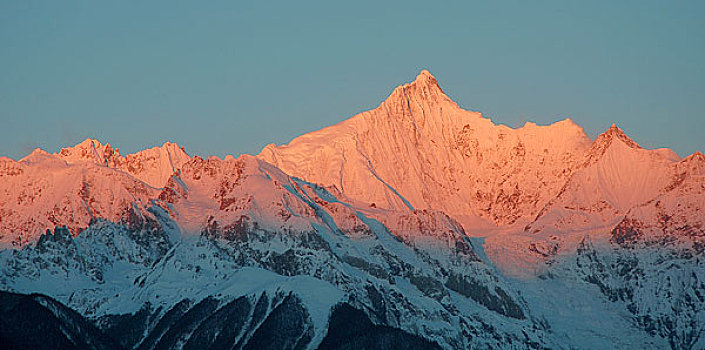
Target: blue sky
pixel 230 77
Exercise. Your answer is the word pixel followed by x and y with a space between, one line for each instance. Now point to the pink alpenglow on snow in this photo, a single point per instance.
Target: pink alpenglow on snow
pixel 428 225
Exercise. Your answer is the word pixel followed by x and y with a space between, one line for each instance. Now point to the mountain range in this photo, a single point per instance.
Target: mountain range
pixel 426 224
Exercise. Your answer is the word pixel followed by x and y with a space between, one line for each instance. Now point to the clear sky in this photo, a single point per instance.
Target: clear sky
pixel 230 77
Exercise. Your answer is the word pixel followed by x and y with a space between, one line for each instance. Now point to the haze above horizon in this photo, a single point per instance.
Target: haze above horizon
pixel 229 78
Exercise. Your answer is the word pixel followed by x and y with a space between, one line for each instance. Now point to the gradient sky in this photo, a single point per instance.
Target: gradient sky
pixel 230 77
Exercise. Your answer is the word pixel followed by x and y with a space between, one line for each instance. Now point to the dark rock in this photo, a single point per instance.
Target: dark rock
pixel 499 301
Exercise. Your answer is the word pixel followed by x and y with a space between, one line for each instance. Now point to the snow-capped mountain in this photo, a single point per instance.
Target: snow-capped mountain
pixel 419 149
pixel 78 184
pixel 42 191
pixel 615 176
pixel 426 225
pixel 226 229
pixel 153 166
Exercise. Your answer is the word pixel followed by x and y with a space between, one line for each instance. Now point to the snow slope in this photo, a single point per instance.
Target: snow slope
pixel 241 227
pixel 425 221
pixel 420 150
pixel 42 191
pixel 616 175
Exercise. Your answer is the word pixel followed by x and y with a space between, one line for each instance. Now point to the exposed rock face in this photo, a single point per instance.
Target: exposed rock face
pixel 405 221
pixel 134 283
pixel 660 284
pixel 244 217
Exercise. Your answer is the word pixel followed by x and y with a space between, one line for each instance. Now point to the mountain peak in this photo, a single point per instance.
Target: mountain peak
pixel 89 150
pixel 615 132
pixel 153 166
pixel 171 149
pixel 89 142
pixel 603 142
pixel 425 81
pixel 425 78
pixel 38 151
pixel 423 92
pixel 695 158
pixel 38 155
